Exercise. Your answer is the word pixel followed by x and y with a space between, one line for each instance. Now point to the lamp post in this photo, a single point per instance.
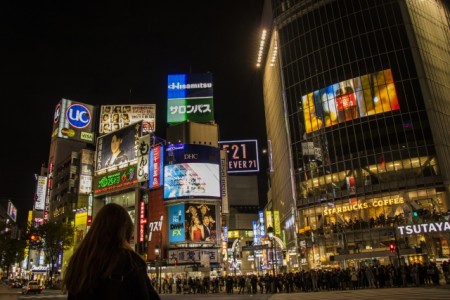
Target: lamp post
pixel 158 261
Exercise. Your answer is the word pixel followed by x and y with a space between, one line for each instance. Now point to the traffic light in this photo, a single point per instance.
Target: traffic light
pixel 391 247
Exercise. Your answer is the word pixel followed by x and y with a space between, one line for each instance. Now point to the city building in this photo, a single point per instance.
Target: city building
pixel 357 115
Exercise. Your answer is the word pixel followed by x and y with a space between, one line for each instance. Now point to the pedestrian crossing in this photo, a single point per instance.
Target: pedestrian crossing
pixel 384 294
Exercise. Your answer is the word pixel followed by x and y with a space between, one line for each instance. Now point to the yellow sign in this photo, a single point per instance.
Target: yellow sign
pixel 359 206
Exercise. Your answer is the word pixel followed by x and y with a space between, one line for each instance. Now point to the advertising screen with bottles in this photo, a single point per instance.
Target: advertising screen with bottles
pixel 351 99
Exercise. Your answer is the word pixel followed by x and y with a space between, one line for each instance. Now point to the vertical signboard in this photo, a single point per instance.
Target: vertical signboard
pixel 41 191
pixel 190 97
pixel 176 223
pixel 143 158
pixel 156 160
pixel 86 171
pixel 224 181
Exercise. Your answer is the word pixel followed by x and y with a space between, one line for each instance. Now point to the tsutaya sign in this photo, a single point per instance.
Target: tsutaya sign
pixel 443 226
pixel 363 205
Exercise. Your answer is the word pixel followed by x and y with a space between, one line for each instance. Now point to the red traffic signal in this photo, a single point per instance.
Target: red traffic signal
pixel 391 247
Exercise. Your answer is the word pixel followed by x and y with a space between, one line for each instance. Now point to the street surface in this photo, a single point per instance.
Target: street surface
pixel 411 293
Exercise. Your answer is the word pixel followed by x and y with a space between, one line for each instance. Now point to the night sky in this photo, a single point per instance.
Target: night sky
pixel 96 54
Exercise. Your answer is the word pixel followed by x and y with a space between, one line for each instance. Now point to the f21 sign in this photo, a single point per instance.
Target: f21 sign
pixel 242 155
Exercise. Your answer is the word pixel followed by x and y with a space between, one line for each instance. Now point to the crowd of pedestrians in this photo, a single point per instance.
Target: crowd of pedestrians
pixel 313 280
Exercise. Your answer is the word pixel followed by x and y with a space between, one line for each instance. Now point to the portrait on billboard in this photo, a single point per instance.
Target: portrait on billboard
pixel 117 148
pixel 115 117
pixel 200 223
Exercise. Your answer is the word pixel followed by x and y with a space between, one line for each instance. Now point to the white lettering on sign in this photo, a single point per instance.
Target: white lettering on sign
pixel 424 228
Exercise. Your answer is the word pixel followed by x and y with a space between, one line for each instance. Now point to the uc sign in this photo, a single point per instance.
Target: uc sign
pixel 242 155
pixel 78 116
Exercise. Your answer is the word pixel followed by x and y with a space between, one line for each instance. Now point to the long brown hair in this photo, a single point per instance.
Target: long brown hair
pixel 97 255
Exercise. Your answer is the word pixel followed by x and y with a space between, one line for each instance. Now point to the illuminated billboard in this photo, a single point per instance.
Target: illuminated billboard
pixel 156 168
pixel 242 155
pixel 114 117
pixel 74 120
pixel 191 171
pixel 190 97
pixel 12 211
pixel 41 192
pixel 118 148
pixel 200 223
pixel 115 181
pixel 351 99
pixel 176 223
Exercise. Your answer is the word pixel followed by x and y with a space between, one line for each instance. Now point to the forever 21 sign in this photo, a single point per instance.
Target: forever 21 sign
pixel 242 155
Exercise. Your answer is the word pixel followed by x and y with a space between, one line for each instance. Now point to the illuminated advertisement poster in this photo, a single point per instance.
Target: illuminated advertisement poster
pixel 191 171
pixel 41 192
pixel 12 211
pixel 242 155
pixel 224 182
pixel 115 181
pixel 269 219
pixel 350 99
pixel 143 158
pixel 262 224
pixel 276 221
pixel 74 120
pixel 190 97
pixel 156 166
pixel 80 225
pixel 200 223
pixel 114 117
pixel 118 148
pixel 176 223
pixel 86 171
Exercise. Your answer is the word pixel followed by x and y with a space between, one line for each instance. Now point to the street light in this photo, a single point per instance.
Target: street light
pixel 158 261
pixel 271 238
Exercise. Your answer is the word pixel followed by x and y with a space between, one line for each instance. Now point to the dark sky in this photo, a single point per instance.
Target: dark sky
pixel 96 54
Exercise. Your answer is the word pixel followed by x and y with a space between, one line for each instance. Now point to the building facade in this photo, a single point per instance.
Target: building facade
pixel 357 115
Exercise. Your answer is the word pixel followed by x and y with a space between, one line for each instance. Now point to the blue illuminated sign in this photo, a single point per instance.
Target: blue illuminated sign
pixel 78 116
pixel 176 223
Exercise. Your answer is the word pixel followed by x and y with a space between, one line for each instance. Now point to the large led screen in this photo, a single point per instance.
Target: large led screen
pixel 190 97
pixel 191 171
pixel 349 100
pixel 118 148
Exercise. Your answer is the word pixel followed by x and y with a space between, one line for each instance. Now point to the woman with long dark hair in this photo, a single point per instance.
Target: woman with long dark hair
pixel 104 266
